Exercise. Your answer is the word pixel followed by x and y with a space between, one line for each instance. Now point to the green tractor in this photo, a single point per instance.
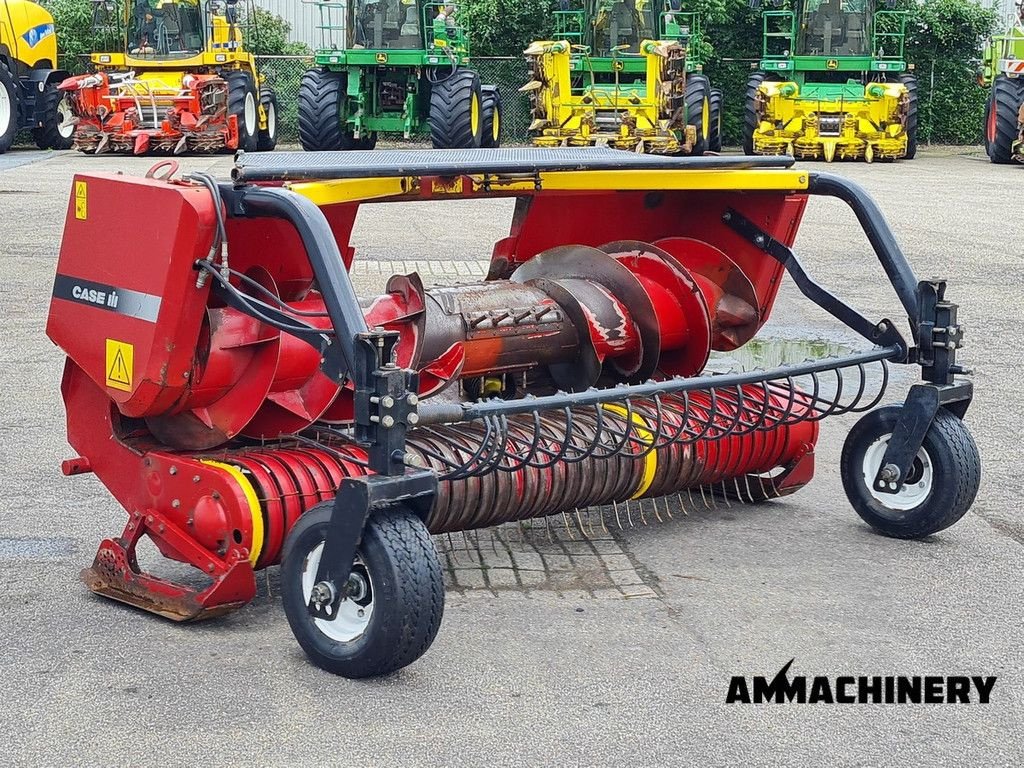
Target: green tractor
pixel 626 73
pixel 833 83
pixel 1003 73
pixel 394 66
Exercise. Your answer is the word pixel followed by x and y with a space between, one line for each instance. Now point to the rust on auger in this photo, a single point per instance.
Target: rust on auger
pixel 246 408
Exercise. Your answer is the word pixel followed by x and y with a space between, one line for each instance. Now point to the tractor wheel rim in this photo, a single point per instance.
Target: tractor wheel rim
pixel 991 127
pixel 474 114
pixel 354 613
pixel 271 119
pixel 65 128
pixel 705 118
pixel 5 110
pixel 250 114
pixel 915 490
pixel 496 125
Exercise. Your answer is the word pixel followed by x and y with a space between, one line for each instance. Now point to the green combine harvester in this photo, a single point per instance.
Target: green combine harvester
pixel 626 74
pixel 1003 73
pixel 394 66
pixel 833 83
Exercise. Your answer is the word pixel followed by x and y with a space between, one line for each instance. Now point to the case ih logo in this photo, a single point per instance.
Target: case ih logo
pixel 800 689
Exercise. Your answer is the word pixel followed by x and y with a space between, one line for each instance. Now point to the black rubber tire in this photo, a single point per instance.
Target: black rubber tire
pixel 696 98
pixel 490 134
pixel 240 90
pixel 1003 128
pixel 750 117
pixel 47 134
pixel 451 109
pixel 407 587
pixel 266 141
pixel 369 141
pixel 715 135
pixel 9 131
pixel 956 475
pixel 910 82
pixel 321 111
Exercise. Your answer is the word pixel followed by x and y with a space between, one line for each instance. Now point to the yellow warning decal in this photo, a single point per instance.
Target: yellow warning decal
pixel 120 365
pixel 254 505
pixel 644 436
pixel 81 200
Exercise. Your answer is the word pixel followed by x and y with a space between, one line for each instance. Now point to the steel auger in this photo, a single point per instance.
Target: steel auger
pixel 252 410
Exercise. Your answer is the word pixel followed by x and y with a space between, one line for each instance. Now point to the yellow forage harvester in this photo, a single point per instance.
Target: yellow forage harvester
pixel 833 83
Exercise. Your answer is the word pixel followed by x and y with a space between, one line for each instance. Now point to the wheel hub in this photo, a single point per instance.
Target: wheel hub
pixel 355 608
pixel 916 487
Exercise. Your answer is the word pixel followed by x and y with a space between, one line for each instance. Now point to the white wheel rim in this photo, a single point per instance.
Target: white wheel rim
pixel 5 110
pixel 914 493
pixel 250 113
pixel 348 624
pixel 271 119
pixel 66 128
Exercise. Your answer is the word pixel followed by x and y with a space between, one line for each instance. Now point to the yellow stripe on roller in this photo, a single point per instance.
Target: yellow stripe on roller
pixel 646 437
pixel 254 506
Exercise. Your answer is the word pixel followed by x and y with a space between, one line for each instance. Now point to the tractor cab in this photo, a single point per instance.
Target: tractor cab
pixel 393 25
pixel 607 35
pixel 165 30
pixel 177 32
pixel 833 28
pixel 838 36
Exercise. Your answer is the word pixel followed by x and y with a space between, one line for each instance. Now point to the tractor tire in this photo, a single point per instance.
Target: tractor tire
pixel 242 101
pixel 53 107
pixel 456 113
pixel 394 615
pixel 941 484
pixel 715 133
pixel 490 136
pixel 267 139
pixel 10 99
pixel 698 110
pixel 751 119
pixel 321 106
pixel 368 142
pixel 910 82
pixel 1002 127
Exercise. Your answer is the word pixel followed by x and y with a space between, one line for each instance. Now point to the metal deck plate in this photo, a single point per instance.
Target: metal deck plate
pixel 302 166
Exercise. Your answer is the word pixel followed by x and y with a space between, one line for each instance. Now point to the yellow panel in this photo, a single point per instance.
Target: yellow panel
pixel 349 190
pixel 710 180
